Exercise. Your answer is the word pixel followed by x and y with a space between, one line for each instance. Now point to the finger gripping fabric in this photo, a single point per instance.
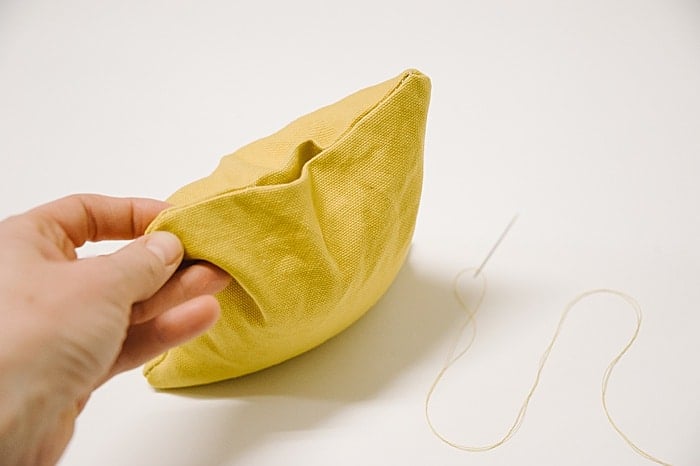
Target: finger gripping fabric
pixel 313 224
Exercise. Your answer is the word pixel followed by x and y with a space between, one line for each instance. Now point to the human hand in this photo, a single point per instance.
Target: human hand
pixel 67 324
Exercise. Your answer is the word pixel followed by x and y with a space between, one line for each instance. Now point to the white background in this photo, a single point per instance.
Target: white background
pixel 583 116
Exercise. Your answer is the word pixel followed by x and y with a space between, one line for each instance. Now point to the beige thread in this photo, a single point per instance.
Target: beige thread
pixel 451 359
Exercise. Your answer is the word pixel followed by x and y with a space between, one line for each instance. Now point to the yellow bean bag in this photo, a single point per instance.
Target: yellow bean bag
pixel 313 223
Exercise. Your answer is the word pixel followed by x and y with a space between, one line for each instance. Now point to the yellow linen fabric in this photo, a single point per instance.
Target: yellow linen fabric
pixel 312 222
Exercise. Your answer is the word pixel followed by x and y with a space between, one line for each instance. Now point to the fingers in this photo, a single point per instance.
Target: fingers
pixel 177 325
pixel 91 217
pixel 137 271
pixel 195 280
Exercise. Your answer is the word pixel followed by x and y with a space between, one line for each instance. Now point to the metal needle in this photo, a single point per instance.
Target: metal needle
pixel 498 242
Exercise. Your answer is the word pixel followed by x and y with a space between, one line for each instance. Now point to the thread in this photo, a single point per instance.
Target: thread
pixel 452 358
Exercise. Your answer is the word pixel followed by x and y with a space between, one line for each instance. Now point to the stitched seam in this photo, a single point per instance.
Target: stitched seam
pixel 304 171
pixel 155 363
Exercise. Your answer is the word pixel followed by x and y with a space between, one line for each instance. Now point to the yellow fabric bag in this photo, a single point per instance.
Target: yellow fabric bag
pixel 312 222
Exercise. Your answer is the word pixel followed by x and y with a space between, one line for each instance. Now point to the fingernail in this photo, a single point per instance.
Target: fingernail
pixel 166 246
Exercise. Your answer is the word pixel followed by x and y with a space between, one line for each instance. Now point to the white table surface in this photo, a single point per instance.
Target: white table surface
pixel 583 116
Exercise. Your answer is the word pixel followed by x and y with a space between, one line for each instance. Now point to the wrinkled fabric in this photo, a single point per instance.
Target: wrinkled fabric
pixel 313 223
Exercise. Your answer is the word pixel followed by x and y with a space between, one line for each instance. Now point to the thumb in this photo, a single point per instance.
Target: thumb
pixel 139 269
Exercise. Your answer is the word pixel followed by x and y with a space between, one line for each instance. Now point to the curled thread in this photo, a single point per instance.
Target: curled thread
pixel 471 314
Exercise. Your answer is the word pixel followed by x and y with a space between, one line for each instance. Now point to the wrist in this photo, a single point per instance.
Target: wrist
pixel 30 409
